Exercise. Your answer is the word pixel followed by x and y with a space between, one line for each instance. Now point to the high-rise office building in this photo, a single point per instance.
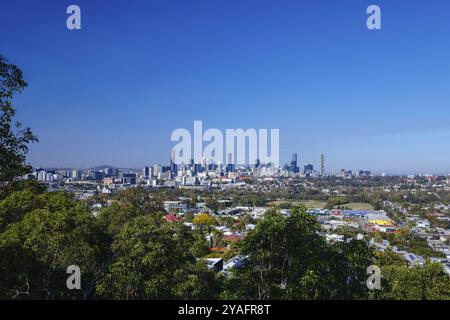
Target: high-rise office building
pixel 173 165
pixel 364 173
pixel 308 169
pixel 76 174
pixel 129 178
pixel 41 175
pixel 146 172
pixel 97 175
pixel 293 166
pixel 322 164
pixel 230 164
pixel 157 169
pixel 229 158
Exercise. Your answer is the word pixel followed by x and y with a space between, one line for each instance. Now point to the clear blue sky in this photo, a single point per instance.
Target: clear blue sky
pixel 113 92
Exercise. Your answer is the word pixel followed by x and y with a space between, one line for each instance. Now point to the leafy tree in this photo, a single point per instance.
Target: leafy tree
pixel 212 204
pixel 21 185
pixel 204 221
pixel 14 139
pixel 36 250
pixel 377 237
pixel 402 282
pixel 427 282
pixel 334 202
pixel 196 282
pixel 154 261
pixel 403 237
pixel 127 205
pixel 14 207
pixel 350 272
pixel 288 259
pixel 389 258
pixel 200 247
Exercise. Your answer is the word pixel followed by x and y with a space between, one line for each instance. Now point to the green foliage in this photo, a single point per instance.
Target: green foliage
pixel 428 282
pixel 405 240
pixel 130 252
pixel 378 237
pixel 37 247
pixel 154 261
pixel 335 202
pixel 17 205
pixel 347 232
pixel 127 205
pixel 21 185
pixel 402 282
pixel 199 246
pixel 402 238
pixel 288 259
pixel 251 200
pixel 212 204
pixel 389 258
pixel 14 139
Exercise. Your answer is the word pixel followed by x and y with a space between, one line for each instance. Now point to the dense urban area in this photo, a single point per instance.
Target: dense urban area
pixel 405 219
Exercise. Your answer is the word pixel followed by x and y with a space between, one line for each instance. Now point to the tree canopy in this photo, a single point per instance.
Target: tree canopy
pixel 288 259
pixel 14 138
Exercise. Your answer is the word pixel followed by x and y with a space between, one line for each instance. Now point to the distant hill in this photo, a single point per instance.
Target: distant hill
pixel 102 167
pixel 97 168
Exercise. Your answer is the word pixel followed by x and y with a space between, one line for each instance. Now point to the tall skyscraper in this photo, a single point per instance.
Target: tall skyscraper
pixel 173 165
pixel 322 164
pixel 76 174
pixel 294 167
pixel 157 169
pixel 146 172
pixel 230 165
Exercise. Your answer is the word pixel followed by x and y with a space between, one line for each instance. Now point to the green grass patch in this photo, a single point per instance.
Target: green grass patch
pixel 314 204
pixel 309 204
pixel 359 205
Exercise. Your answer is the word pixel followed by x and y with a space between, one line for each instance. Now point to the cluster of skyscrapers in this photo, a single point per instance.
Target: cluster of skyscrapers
pixel 308 169
pixel 181 174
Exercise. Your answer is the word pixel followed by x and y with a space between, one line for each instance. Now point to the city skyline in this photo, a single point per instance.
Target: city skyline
pixel 113 91
pixel 228 158
pixel 302 167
